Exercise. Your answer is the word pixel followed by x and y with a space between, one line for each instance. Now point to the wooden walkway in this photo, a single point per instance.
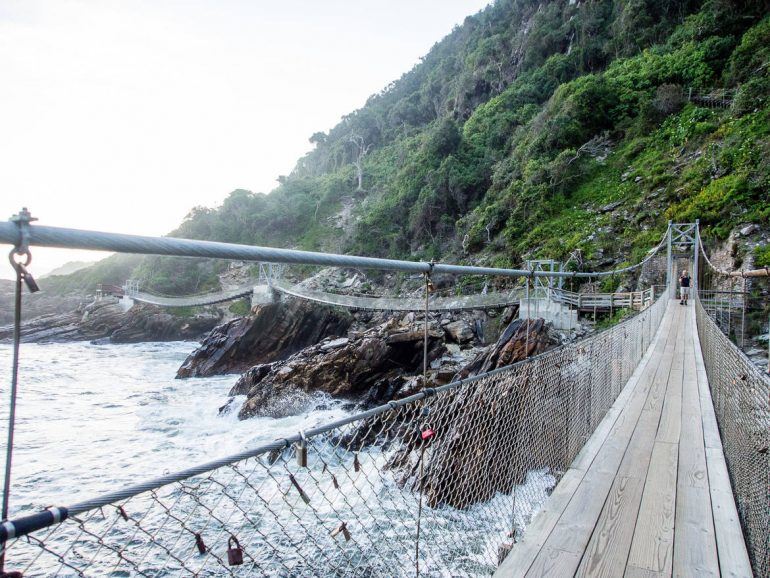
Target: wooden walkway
pixel 649 494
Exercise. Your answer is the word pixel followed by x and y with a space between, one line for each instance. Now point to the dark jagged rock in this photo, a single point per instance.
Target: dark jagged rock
pixel 450 477
pixel 367 368
pixel 518 341
pixel 105 320
pixel 274 332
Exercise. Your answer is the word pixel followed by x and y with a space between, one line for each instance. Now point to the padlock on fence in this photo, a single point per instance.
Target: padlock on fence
pixel 200 544
pixel 234 554
pixel 300 448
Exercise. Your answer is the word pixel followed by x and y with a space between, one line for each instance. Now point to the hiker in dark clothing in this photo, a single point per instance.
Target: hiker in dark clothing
pixel 684 287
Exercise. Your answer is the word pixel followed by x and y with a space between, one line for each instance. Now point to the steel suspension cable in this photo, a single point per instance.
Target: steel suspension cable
pixel 763 272
pixel 170 246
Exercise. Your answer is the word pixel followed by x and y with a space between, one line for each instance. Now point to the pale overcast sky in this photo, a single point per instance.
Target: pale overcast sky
pixel 121 115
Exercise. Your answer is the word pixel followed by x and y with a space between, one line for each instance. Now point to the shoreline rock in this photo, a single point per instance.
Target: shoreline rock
pixel 274 332
pixel 104 320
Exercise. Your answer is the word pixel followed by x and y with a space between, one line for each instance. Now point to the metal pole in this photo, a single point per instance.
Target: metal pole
pixel 425 335
pixel 12 406
pixel 696 259
pixel 526 351
pixel 669 262
pixel 730 309
pixel 743 316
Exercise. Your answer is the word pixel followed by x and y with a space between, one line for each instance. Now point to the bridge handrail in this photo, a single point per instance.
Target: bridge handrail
pixel 630 299
pixel 46 236
pixel 525 423
pixel 741 395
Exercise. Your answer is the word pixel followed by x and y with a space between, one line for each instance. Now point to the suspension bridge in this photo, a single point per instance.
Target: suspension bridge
pixel 641 450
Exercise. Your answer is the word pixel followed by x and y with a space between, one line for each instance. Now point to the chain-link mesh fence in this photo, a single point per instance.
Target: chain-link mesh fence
pixel 741 396
pixel 446 479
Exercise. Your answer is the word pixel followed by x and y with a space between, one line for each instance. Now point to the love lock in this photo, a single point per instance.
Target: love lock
pixel 234 554
pixel 300 448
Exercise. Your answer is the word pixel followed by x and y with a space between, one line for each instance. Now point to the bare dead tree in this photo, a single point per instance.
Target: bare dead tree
pixel 361 149
pixel 597 147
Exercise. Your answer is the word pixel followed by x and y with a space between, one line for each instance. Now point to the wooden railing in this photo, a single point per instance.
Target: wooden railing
pixel 635 300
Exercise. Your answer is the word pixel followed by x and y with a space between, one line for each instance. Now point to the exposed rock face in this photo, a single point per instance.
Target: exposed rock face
pixel 486 409
pixel 376 366
pixel 519 341
pixel 104 319
pixel 368 368
pixel 274 332
pixel 153 324
pixel 459 331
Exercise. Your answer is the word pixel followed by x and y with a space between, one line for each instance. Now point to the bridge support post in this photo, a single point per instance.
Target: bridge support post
pixel 669 265
pixel 696 258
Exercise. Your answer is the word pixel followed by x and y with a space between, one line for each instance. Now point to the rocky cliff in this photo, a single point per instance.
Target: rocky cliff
pixel 105 320
pixel 271 333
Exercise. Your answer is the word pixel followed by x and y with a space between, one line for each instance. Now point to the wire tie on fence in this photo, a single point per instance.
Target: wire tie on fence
pixel 429 391
pixel 302 494
pixel 392 405
pixel 122 513
pixel 341 529
pixel 199 543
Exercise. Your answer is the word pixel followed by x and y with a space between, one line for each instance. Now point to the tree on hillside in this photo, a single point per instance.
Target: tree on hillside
pixel 360 150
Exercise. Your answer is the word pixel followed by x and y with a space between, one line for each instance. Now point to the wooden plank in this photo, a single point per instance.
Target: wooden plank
pixel 652 547
pixel 553 562
pixel 731 547
pixel 524 552
pixel 607 551
pixel 695 551
pixel 671 418
pixel 634 572
pixel 692 454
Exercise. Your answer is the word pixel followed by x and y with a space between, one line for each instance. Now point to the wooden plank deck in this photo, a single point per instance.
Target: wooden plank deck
pixel 649 493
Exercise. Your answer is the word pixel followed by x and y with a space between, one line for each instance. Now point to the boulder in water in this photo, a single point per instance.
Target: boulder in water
pixel 273 332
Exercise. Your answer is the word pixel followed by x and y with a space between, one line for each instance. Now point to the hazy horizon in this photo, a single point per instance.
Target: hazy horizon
pixel 124 116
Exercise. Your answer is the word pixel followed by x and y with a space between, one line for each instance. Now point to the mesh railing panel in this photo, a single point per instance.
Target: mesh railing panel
pixel 501 443
pixel 741 396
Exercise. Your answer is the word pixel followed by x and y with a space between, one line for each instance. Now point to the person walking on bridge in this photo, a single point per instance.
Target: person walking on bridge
pixel 684 287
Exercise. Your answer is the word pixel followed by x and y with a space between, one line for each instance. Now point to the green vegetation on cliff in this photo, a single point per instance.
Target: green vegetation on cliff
pixel 535 128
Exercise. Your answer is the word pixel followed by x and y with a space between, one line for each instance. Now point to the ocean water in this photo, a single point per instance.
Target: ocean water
pixel 93 419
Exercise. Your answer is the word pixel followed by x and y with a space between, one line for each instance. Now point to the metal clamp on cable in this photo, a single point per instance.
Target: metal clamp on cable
pixel 21 249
